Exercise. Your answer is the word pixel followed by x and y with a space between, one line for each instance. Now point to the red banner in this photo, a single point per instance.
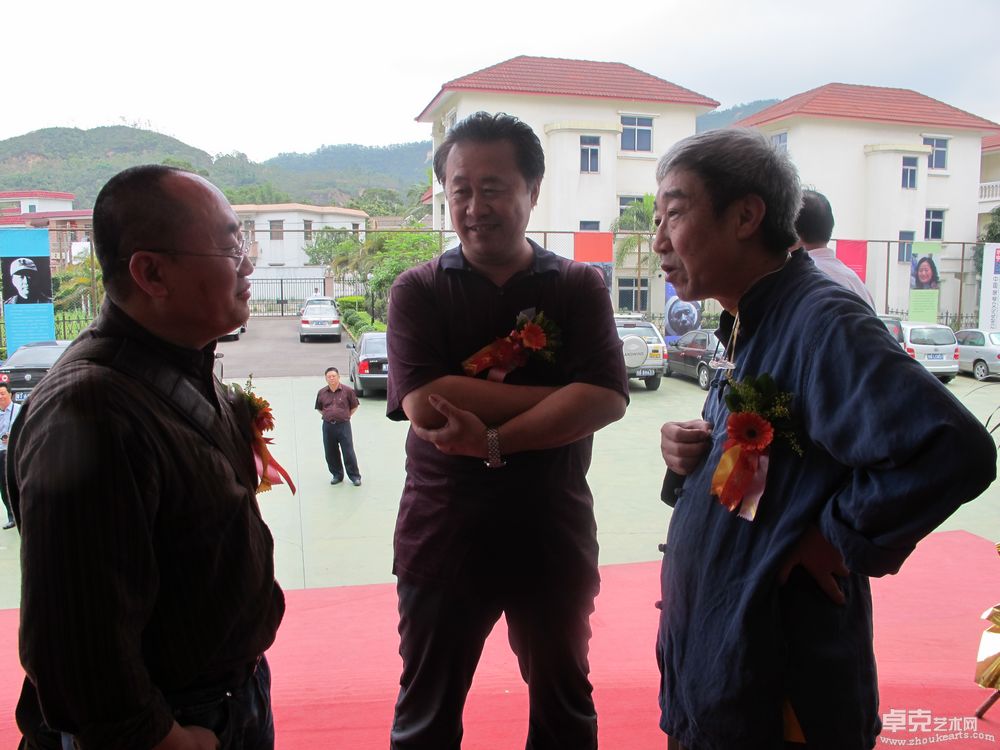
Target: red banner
pixel 854 255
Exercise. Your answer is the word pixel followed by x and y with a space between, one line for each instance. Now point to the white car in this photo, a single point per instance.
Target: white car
pixel 979 352
pixel 643 348
pixel 932 345
pixel 320 317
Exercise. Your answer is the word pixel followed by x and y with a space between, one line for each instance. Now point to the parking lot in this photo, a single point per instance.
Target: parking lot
pixel 337 535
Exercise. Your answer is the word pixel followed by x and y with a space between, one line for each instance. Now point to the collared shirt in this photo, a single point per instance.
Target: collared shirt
pixel 889 454
pixel 146 566
pixel 6 420
pixel 538 510
pixel 826 260
pixel 336 406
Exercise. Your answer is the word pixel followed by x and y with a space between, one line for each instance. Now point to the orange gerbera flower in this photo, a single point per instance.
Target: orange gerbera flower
pixel 533 336
pixel 750 430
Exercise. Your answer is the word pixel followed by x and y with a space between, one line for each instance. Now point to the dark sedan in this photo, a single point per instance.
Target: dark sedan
pixel 28 364
pixel 369 364
pixel 690 355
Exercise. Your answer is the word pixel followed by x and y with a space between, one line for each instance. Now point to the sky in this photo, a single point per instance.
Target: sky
pixel 268 78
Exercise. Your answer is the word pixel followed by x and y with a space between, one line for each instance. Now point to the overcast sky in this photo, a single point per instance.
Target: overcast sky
pixel 290 76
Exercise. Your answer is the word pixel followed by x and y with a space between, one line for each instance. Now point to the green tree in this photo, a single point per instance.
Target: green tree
pixel 263 193
pixel 379 202
pixel 991 233
pixel 185 165
pixel 634 240
pixel 78 288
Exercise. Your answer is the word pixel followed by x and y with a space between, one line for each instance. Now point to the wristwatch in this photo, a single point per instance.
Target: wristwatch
pixel 493 458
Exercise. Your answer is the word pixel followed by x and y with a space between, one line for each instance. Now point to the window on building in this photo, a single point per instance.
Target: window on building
pixel 780 141
pixel 933 224
pixel 624 201
pixel 633 294
pixel 307 230
pixel 906 246
pixel 910 172
pixel 277 229
pixel 590 226
pixel 590 151
pixel 637 133
pixel 938 157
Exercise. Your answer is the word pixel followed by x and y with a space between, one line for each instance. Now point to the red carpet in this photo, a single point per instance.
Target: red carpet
pixel 335 663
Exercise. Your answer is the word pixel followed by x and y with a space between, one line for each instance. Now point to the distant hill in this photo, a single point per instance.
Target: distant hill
pixel 723 118
pixel 81 161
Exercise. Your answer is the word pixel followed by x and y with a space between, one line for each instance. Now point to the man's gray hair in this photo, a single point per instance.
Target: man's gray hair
pixel 735 162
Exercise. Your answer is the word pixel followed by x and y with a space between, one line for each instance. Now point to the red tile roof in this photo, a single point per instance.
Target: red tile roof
pixel 583 78
pixel 991 143
pixel 40 217
pixel 872 103
pixel 36 194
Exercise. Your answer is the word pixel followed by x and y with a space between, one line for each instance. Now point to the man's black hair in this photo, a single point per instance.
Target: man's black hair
pixel 815 220
pixel 132 210
pixel 483 127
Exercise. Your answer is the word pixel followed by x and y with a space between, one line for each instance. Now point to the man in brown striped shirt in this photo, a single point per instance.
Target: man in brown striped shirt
pixel 148 591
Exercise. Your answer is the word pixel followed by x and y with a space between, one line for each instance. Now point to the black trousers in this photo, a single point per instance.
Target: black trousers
pixel 442 632
pixel 337 439
pixel 3 485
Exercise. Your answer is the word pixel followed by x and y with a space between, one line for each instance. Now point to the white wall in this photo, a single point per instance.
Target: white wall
pixel 568 197
pixel 289 251
pixel 45 204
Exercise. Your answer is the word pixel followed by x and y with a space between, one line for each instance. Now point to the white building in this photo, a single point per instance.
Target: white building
pixel 15 202
pixel 602 126
pixel 989 179
pixel 897 167
pixel 279 233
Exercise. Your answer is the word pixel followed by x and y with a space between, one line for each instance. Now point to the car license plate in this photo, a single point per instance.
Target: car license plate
pixel 20 395
pixel 647 372
pixel 320 323
pixel 935 356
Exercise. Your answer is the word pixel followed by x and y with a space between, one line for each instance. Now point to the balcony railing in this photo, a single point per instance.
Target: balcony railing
pixel 989 191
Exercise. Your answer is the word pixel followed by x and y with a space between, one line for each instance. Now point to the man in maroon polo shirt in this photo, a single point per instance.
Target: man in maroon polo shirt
pixel 337 403
pixel 496 516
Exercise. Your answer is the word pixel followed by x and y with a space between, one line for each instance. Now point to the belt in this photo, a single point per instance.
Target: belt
pixel 222 683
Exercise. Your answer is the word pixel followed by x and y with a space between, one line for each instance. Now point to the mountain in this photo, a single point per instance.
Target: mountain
pixel 723 118
pixel 81 161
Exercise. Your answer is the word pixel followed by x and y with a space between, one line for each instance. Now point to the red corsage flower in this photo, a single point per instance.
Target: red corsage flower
pixel 749 430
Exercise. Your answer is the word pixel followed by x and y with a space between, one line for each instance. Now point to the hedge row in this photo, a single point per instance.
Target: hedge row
pixel 356 321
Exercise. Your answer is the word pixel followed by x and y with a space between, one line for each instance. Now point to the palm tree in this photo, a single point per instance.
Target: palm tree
pixel 634 229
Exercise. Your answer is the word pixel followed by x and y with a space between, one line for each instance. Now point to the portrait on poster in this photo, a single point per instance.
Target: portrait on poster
pixel 26 281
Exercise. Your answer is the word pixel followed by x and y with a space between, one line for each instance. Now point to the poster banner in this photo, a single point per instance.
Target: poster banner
pixel 593 247
pixel 679 316
pixel 27 287
pixel 854 255
pixel 924 305
pixel 923 267
pixel 989 299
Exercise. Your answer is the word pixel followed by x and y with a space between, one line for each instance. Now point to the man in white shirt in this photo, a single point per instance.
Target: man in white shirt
pixel 8 410
pixel 814 226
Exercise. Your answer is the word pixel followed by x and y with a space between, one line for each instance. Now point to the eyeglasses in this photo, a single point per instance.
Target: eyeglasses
pixel 235 253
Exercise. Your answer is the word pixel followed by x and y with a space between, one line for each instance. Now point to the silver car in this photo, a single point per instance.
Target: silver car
pixel 643 349
pixel 320 317
pixel 932 345
pixel 979 352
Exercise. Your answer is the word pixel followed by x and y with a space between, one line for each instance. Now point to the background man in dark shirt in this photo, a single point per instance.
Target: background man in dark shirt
pixel 8 411
pixel 148 591
pixel 514 535
pixel 337 403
